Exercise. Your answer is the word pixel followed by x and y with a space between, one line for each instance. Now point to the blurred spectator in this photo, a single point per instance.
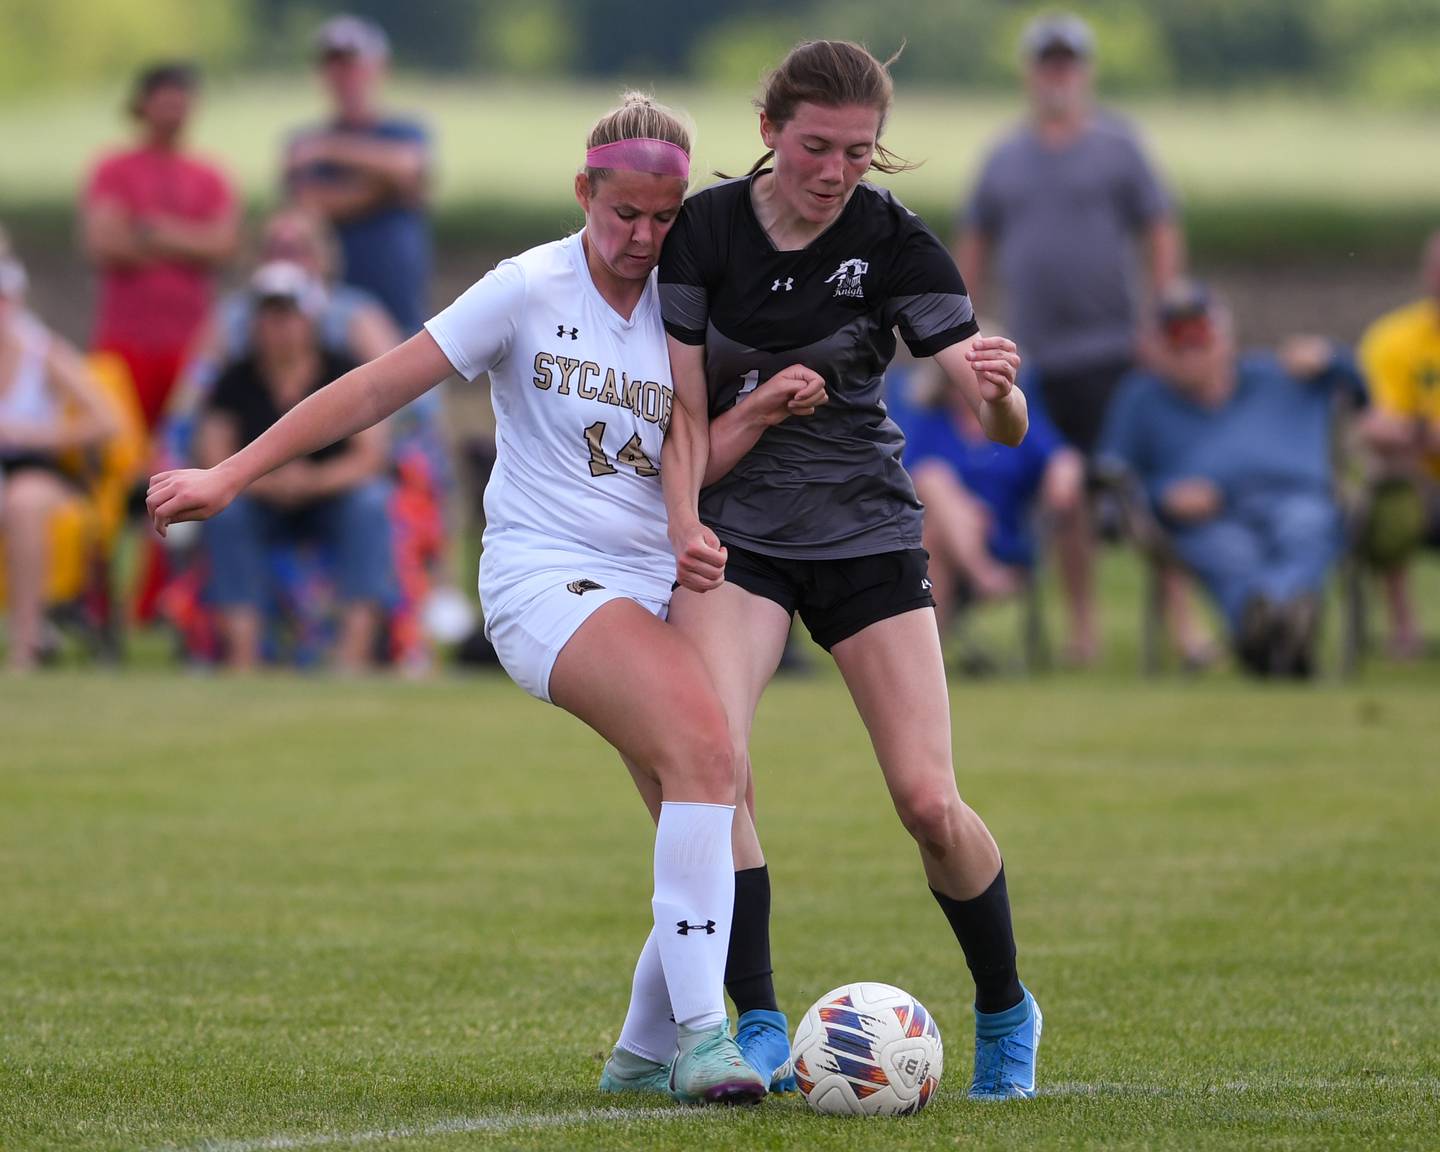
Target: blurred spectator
pixel 354 324
pixel 48 404
pixel 1235 455
pixel 157 223
pixel 1400 354
pixel 336 497
pixel 367 173
pixel 1058 208
pixel 980 497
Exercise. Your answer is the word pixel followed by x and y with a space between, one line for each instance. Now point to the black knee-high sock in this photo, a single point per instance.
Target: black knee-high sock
pixel 747 968
pixel 982 926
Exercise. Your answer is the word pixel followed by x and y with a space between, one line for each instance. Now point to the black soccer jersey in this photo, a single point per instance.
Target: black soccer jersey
pixel 830 485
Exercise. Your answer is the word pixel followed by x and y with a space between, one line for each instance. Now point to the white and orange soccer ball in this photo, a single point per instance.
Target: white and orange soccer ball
pixel 868 1050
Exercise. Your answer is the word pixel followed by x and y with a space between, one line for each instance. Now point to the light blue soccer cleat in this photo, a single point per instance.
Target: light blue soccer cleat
pixel 764 1040
pixel 1006 1045
pixel 627 1072
pixel 709 1069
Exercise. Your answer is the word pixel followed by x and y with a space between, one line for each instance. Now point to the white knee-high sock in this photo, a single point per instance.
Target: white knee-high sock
pixel 694 901
pixel 649 1024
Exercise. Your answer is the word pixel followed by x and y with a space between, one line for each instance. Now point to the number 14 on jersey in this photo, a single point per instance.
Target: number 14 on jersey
pixel 630 454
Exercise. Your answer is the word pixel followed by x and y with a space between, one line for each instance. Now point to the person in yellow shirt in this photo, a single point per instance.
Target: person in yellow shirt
pixel 1400 355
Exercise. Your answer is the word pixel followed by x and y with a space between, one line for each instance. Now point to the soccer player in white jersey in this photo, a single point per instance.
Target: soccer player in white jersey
pixel 577 568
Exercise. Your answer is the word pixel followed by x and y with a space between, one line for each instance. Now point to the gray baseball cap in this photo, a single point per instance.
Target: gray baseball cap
pixel 1057 33
pixel 352 36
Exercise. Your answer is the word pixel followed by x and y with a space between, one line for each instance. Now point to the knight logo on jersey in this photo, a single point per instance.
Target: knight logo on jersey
pixel 848 275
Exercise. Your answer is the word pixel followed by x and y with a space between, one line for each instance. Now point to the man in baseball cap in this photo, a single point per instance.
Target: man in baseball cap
pixel 1068 210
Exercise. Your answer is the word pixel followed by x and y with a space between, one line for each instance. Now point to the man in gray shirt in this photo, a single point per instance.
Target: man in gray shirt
pixel 1060 208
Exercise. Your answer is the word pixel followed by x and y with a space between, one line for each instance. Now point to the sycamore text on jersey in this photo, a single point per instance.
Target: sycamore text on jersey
pixel 648 399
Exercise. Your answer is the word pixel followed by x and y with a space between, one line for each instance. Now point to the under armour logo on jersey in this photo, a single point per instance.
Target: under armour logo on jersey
pixel 788 284
pixel 684 929
pixel 580 587
pixel 573 333
pixel 848 275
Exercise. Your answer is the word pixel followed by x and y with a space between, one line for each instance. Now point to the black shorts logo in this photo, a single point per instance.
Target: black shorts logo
pixel 580 587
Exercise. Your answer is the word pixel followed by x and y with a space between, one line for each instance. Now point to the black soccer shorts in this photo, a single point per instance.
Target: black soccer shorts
pixel 836 598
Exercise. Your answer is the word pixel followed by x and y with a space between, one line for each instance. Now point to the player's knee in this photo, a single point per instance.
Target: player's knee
pixel 699 758
pixel 932 813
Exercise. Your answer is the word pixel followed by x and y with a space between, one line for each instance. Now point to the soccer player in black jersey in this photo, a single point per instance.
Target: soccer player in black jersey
pixel 802 263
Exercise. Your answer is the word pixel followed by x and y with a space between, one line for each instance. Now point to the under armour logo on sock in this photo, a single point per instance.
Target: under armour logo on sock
pixel 684 929
pixel 788 284
pixel 573 333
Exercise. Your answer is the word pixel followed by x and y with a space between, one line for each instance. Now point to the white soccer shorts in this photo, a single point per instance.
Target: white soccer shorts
pixel 537 617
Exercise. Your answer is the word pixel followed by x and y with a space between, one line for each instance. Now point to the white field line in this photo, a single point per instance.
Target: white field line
pixel 520 1121
pixel 500 1122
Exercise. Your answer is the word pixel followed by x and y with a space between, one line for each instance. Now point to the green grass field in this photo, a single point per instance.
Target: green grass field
pixel 297 913
pixel 509 150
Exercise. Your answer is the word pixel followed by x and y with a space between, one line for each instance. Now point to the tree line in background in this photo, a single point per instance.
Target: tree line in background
pixel 1380 50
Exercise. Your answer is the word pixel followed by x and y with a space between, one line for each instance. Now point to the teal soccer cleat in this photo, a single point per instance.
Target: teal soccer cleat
pixel 1006 1045
pixel 627 1072
pixel 710 1069
pixel 764 1040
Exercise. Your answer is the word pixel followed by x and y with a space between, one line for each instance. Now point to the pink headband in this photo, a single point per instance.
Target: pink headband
pixel 659 157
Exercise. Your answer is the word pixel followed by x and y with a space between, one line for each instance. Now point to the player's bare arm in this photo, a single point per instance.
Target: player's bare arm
pixel 984 368
pixel 797 391
pixel 699 556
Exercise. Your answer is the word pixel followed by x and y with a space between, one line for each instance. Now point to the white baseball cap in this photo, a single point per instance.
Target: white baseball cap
pixel 286 281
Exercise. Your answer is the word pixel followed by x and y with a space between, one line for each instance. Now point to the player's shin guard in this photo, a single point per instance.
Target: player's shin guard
pixel 693 903
pixel 649 1029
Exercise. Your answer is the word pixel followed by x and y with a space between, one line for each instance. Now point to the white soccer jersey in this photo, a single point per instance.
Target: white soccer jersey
pixel 582 399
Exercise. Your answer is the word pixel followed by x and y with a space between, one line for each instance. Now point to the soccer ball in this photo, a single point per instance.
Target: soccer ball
pixel 868 1050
